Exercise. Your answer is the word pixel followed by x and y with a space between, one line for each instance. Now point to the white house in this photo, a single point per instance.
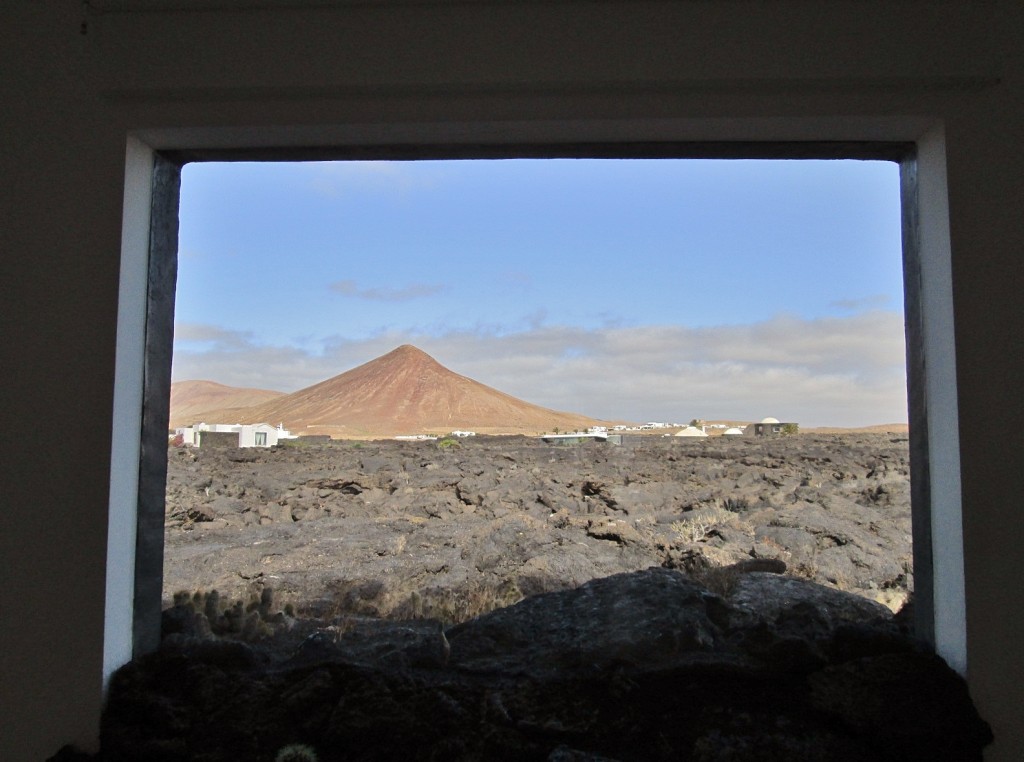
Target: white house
pixel 769 427
pixel 249 434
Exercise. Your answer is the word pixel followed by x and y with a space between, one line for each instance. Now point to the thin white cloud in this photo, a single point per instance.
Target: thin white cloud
pixel 835 371
pixel 336 178
pixel 214 337
pixel 874 302
pixel 235 358
pixel 386 294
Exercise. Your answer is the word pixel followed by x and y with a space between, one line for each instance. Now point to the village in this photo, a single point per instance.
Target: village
pixel 264 435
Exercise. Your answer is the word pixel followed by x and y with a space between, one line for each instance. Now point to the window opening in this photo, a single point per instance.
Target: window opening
pixel 599 295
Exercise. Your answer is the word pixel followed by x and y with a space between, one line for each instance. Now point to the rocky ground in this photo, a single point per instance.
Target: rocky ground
pixel 450 529
pixel 508 600
pixel 637 667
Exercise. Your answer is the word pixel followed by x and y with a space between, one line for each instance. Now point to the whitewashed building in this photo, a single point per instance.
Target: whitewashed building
pixel 248 434
pixel 770 427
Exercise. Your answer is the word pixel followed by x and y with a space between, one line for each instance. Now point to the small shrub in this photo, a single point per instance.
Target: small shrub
pixel 696 528
pixel 250 621
pixel 296 752
pixel 807 568
pixel 692 530
pixel 768 545
pixel 735 504
pixel 448 443
pixel 453 607
pixel 211 606
pixel 266 601
pixel 720 580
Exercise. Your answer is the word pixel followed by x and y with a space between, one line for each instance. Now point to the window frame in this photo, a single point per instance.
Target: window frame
pixel 921 285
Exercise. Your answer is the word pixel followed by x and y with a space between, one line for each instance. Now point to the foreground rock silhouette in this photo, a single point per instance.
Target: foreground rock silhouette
pixel 647 665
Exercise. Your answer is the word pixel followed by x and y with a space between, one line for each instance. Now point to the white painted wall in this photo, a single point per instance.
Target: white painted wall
pixel 81 114
pixel 246 433
pixel 127 403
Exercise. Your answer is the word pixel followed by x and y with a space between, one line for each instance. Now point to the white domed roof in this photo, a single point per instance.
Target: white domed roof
pixel 733 432
pixel 770 420
pixel 691 431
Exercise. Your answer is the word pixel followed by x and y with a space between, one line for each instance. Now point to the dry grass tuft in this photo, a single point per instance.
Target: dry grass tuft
pixel 720 580
pixel 456 606
pixel 696 528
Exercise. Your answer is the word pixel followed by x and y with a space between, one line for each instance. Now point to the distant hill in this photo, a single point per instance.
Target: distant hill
pixel 405 391
pixel 880 428
pixel 191 400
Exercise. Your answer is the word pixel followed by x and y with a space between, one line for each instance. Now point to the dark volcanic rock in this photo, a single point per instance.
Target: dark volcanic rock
pixel 649 619
pixel 601 603
pixel 774 598
pixel 391 528
pixel 644 666
pixel 872 694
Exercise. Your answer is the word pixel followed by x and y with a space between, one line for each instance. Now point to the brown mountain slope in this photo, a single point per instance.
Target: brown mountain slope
pixel 406 392
pixel 191 400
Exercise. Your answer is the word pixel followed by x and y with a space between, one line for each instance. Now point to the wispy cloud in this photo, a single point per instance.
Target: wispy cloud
pixel 341 177
pixel 874 302
pixel 236 358
pixel 836 371
pixel 214 337
pixel 386 294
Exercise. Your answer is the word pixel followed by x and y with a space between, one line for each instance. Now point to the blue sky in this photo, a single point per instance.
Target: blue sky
pixel 621 289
